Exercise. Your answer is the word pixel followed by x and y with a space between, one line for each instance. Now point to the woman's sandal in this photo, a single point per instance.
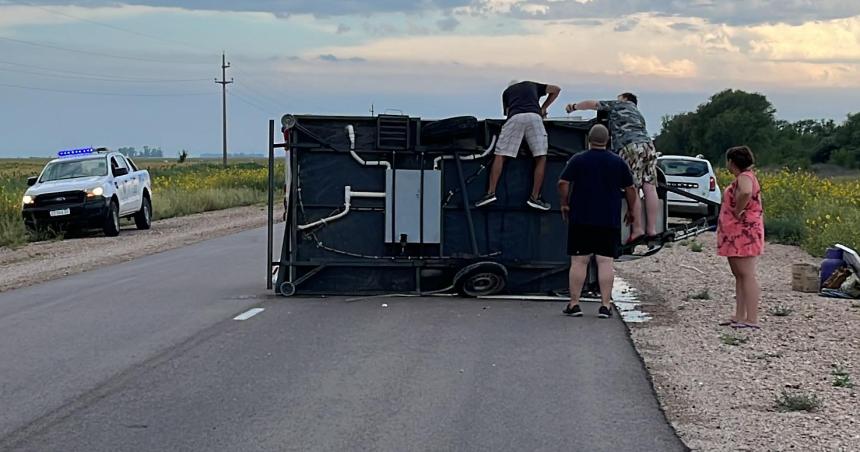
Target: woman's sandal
pixel 729 322
pixel 742 326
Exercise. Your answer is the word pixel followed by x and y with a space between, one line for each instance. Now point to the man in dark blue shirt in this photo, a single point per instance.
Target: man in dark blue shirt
pixel 590 189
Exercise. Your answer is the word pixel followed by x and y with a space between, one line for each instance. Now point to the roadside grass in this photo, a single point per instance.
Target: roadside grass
pixel 696 247
pixel 178 189
pixel 841 378
pixel 780 311
pixel 733 339
pixel 705 294
pixel 790 402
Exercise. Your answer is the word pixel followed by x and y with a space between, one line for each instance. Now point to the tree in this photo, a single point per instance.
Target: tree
pixel 676 133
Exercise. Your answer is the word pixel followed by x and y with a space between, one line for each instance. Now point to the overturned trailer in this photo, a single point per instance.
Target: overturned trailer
pixel 385 204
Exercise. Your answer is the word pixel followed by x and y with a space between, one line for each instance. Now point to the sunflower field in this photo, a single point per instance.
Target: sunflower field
pixel 803 209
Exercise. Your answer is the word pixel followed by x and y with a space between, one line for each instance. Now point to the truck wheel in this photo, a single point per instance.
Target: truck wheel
pixel 143 217
pixel 111 227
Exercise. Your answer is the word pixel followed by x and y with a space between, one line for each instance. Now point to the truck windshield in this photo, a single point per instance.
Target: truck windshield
pixel 73 169
pixel 686 168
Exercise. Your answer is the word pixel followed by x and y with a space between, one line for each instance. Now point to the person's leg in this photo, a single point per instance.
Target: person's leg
pixel 652 208
pixel 647 155
pixel 536 137
pixel 576 278
pixel 606 278
pixel 751 289
pixel 496 173
pixel 629 154
pixel 540 169
pixel 740 312
pixel 508 145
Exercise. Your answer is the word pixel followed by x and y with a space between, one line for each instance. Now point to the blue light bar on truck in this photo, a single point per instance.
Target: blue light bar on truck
pixel 75 152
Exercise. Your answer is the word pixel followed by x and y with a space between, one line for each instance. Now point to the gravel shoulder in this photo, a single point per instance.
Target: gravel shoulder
pixel 722 397
pixel 43 261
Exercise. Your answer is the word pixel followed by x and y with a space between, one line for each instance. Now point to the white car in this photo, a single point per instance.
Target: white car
pixel 696 176
pixel 88 188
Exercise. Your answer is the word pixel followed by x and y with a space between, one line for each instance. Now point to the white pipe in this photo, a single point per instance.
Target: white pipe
pixel 348 194
pixel 485 153
pixel 350 130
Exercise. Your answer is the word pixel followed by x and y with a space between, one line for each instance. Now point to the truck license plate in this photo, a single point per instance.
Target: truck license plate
pixel 60 213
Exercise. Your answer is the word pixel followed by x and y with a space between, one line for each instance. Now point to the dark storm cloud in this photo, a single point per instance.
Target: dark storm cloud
pixel 281 7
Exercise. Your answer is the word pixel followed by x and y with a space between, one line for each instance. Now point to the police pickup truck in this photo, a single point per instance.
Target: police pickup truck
pixel 88 188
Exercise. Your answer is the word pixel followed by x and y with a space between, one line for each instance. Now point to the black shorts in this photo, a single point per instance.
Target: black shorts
pixel 585 240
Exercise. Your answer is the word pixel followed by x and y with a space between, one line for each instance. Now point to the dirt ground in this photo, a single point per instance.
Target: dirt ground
pixel 43 261
pixel 722 397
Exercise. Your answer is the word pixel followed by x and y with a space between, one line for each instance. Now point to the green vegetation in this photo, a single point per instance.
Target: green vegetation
pixel 841 378
pixel 731 118
pixel 178 189
pixel 780 311
pixel 787 402
pixel 703 295
pixel 733 339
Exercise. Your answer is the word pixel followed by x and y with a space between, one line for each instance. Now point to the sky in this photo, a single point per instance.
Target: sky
pixel 142 72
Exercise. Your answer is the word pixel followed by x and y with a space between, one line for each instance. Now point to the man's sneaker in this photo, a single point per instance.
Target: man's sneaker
pixel 538 204
pixel 488 199
pixel 572 311
pixel 604 312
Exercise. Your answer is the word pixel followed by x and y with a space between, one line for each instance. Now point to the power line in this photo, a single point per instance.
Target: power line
pixel 87 52
pixel 248 101
pixel 97 78
pixel 98 93
pixel 102 24
pixel 268 102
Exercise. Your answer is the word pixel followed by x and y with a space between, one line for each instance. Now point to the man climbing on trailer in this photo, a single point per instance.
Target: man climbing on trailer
pixel 630 140
pixel 521 105
pixel 590 190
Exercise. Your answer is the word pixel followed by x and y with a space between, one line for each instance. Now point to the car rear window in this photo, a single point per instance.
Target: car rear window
pixel 686 168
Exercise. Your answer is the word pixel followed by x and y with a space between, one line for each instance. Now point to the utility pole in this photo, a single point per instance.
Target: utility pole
pixel 224 82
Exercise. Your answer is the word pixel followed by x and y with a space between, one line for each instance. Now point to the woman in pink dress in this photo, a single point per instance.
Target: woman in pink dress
pixel 740 235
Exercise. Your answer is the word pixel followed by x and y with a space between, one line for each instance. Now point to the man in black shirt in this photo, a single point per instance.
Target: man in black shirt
pixel 590 189
pixel 521 105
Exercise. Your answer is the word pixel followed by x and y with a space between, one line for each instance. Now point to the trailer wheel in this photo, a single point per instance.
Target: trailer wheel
pixel 287 289
pixel 481 280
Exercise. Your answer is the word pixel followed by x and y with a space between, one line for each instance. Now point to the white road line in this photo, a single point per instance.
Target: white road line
pixel 248 314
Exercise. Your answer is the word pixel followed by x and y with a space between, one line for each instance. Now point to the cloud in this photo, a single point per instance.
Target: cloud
pixel 343 28
pixel 448 24
pixel 684 26
pixel 283 7
pixel 333 59
pixel 626 25
pixel 735 12
pixel 651 65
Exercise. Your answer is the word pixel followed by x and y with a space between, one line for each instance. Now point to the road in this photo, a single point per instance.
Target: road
pixel 146 356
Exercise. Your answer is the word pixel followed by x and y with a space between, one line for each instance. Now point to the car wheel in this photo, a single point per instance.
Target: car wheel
pixel 111 226
pixel 143 217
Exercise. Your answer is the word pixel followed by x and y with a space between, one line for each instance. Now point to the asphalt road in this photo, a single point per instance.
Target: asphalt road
pixel 146 356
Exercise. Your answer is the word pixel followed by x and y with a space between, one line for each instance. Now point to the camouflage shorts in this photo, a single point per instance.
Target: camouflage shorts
pixel 642 159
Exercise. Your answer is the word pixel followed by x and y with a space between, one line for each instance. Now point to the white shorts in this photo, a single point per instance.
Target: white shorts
pixel 528 125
